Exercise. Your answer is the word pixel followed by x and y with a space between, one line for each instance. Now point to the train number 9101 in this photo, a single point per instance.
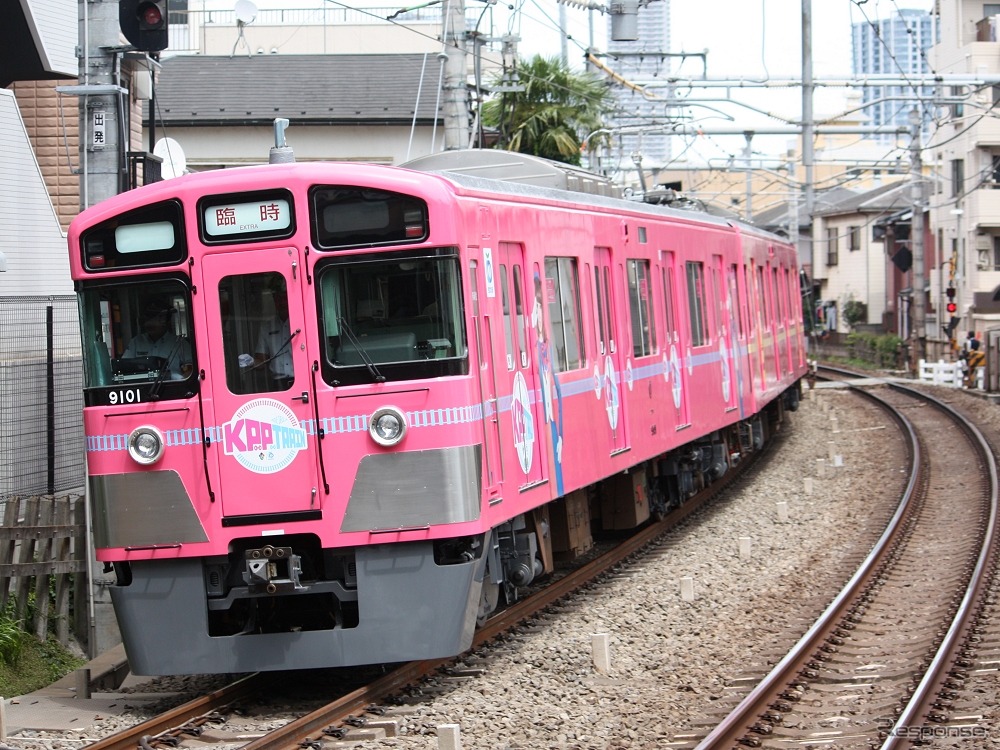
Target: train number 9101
pixel 124 396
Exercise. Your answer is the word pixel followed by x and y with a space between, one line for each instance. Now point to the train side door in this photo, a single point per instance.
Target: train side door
pixel 676 373
pixel 723 287
pixel 608 370
pixel 483 324
pixel 736 317
pixel 259 378
pixel 522 422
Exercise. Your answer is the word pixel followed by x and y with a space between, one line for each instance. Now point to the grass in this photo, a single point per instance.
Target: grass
pixel 27 664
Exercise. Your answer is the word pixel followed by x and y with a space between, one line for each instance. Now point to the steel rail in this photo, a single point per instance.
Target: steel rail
pixel 919 709
pixel 742 720
pixel 130 738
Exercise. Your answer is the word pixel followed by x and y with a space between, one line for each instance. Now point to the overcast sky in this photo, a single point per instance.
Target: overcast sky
pixel 743 37
pixel 751 39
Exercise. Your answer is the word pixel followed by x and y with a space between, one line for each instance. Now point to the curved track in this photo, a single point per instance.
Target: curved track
pixel 878 665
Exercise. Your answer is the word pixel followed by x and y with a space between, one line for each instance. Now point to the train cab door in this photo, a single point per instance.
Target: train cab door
pixel 259 380
pixel 608 370
pixel 522 422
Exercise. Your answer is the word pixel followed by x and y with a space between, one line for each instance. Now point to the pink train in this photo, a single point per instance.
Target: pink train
pixel 336 414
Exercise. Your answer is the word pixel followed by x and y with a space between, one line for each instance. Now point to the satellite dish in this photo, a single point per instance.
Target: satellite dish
pixel 246 12
pixel 174 161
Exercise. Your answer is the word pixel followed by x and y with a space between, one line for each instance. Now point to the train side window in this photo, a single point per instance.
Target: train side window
pixel 520 318
pixel 765 306
pixel 602 324
pixel 562 289
pixel 735 300
pixel 474 294
pixel 779 294
pixel 696 302
pixel 640 301
pixel 508 330
pixel 670 314
pixel 715 290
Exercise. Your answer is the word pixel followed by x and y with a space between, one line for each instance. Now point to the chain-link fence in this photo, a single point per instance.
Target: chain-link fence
pixel 41 397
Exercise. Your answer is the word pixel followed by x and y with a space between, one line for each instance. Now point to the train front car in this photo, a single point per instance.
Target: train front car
pixel 284 432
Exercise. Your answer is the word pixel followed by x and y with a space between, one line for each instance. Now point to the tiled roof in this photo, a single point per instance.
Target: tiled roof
pixel 314 89
pixel 889 197
pixel 778 215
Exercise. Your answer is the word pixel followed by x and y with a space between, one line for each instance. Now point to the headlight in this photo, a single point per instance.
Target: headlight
pixel 145 445
pixel 387 426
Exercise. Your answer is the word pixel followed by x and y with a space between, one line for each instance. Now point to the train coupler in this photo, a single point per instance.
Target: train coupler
pixel 272 570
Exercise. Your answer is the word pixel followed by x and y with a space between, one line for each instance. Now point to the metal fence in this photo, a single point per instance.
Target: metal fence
pixel 41 401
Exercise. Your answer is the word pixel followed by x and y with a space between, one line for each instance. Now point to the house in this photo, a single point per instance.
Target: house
pixel 850 261
pixel 383 108
pixel 37 51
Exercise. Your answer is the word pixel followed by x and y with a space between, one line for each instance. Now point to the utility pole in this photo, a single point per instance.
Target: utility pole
pixel 748 208
pixel 102 166
pixel 918 335
pixel 807 105
pixel 456 89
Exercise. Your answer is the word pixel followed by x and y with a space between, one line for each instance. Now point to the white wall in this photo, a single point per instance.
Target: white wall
pixel 30 237
pixel 54 27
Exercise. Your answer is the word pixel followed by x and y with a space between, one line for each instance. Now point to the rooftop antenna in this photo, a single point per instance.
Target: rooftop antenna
pixel 281 153
pixel 246 12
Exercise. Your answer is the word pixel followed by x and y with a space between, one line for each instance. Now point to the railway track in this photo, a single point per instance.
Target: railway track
pixel 359 706
pixel 883 664
pixel 841 706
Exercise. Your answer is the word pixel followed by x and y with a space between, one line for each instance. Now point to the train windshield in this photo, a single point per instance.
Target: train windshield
pixel 392 318
pixel 137 342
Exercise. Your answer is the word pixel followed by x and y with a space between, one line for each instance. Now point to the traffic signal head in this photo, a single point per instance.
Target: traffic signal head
pixel 951 307
pixel 144 23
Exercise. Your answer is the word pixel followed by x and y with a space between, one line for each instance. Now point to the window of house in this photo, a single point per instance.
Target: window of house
pixel 957 108
pixel 832 249
pixel 853 238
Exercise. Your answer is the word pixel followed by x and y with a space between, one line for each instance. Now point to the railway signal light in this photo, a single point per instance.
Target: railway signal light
pixel 144 23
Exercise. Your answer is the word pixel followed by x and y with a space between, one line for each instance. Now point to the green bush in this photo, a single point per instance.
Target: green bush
pixel 855 312
pixel 881 350
pixel 11 641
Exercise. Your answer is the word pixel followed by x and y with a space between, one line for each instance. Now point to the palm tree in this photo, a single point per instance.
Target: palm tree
pixel 554 112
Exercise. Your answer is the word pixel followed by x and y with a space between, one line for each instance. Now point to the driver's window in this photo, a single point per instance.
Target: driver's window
pixel 256 335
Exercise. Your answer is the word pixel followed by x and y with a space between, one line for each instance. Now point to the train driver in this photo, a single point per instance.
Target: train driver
pixel 158 339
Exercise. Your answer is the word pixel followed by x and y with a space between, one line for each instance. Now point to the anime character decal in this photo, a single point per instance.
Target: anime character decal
pixel 551 390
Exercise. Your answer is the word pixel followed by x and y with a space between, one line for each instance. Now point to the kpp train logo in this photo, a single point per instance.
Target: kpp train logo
pixel 264 435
